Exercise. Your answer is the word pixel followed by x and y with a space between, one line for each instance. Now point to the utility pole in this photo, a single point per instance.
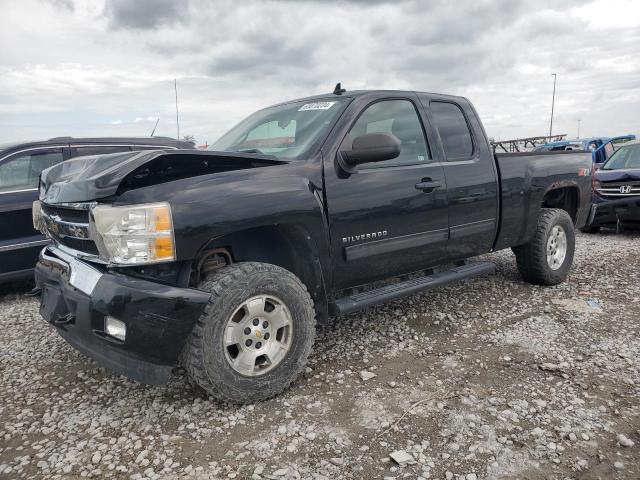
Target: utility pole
pixel 579 127
pixel 175 87
pixel 553 101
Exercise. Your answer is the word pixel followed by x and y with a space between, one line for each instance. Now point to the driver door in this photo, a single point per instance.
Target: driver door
pixel 390 217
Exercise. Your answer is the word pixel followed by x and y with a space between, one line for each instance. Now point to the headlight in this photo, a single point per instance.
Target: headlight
pixel 134 234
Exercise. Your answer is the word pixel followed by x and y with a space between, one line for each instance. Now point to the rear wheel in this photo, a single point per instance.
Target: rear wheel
pixel 255 335
pixel 547 257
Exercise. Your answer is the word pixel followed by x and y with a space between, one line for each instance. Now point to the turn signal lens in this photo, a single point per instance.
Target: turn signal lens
pixel 162 219
pixel 163 248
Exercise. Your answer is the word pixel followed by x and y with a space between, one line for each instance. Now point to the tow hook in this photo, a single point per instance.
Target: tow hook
pixel 64 319
pixel 34 292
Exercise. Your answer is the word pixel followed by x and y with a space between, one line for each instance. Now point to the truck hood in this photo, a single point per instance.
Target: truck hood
pixel 618 175
pixel 96 177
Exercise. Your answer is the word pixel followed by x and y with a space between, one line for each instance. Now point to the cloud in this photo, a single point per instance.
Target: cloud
pixel 64 4
pixel 144 14
pixel 118 59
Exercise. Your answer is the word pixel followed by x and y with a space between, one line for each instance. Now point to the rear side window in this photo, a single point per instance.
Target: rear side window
pixel 453 129
pixel 100 150
pixel 21 172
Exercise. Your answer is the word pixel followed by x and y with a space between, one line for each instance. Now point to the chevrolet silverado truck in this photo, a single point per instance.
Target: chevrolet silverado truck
pixel 222 261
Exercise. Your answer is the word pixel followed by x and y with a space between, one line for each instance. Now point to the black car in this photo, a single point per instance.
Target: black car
pixel 20 167
pixel 616 190
pixel 223 261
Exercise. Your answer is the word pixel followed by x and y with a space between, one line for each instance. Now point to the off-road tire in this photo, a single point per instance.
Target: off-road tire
pixel 204 355
pixel 532 256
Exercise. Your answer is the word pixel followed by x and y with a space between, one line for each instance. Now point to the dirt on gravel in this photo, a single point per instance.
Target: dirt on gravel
pixel 489 378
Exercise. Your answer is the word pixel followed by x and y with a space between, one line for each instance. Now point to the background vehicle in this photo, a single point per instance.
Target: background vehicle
pixel 20 167
pixel 601 148
pixel 616 190
pixel 230 255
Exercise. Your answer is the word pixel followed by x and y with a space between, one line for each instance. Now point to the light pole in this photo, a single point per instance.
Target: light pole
pixel 553 101
pixel 579 127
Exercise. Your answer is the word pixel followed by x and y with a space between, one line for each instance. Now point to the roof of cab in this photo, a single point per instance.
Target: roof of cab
pixel 360 93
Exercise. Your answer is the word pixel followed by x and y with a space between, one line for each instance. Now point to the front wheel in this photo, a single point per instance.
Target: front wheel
pixel 547 257
pixel 255 334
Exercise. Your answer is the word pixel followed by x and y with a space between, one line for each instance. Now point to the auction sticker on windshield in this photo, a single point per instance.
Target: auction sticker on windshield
pixel 316 106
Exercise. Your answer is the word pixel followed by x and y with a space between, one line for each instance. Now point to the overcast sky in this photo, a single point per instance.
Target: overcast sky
pixel 74 67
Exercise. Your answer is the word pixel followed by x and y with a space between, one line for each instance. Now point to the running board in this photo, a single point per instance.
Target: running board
pixel 387 293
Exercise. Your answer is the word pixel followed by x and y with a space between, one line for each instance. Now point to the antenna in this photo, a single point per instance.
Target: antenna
pixel 553 101
pixel 175 87
pixel 154 127
pixel 339 90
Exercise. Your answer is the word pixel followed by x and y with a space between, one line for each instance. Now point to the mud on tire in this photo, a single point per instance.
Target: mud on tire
pixel 532 258
pixel 208 359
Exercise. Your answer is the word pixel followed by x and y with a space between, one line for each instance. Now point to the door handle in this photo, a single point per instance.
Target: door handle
pixel 427 185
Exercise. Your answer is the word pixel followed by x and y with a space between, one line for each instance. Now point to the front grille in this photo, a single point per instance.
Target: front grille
pixel 619 189
pixel 69 226
pixel 85 246
pixel 75 215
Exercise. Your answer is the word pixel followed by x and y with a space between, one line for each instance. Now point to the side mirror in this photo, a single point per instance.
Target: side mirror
pixel 371 147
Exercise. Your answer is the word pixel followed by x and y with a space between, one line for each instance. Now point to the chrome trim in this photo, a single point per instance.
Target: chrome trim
pixel 81 255
pixel 73 205
pixel 56 219
pixel 80 275
pixel 54 263
pixel 157 147
pixel 20 191
pixel 615 192
pixel 18 246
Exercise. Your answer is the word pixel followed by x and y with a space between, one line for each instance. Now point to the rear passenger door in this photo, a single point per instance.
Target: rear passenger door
pixel 19 174
pixel 471 175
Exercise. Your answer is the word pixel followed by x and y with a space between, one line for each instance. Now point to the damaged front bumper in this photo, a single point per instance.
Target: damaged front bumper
pixel 78 296
pixel 605 212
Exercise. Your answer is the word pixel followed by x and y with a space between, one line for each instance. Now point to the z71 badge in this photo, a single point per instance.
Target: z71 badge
pixel 364 236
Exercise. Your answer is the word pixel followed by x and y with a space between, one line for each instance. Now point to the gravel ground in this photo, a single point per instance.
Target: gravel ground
pixel 489 378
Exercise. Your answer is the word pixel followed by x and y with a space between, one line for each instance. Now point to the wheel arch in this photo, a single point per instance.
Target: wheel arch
pixel 565 196
pixel 288 246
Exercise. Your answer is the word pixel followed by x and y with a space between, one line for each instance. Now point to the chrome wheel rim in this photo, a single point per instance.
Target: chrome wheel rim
pixel 257 336
pixel 556 247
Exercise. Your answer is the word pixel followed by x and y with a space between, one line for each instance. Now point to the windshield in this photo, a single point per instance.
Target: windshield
pixel 287 131
pixel 624 157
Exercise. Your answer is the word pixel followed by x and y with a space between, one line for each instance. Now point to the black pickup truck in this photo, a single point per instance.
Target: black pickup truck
pixel 222 261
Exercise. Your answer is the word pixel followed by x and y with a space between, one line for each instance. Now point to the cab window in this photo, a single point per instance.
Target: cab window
pixel 399 118
pixel 21 172
pixel 453 130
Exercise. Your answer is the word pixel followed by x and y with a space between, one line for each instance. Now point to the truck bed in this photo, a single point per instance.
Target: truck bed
pixel 526 177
